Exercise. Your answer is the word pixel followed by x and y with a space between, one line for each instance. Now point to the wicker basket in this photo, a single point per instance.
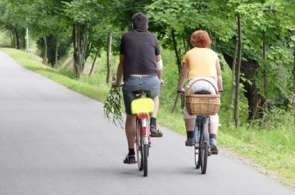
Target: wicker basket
pixel 201 104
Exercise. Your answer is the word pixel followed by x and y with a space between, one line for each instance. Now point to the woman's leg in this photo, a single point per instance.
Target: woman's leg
pixel 213 128
pixel 189 124
pixel 214 122
pixel 190 128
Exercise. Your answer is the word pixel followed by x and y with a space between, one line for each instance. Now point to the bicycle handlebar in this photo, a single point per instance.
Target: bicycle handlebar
pixel 181 92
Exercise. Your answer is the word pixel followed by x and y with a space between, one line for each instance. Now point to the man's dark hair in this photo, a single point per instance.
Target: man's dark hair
pixel 140 22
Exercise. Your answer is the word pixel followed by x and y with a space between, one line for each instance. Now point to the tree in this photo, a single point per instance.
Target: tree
pixel 264 50
pixel 84 16
pixel 14 18
pixel 237 73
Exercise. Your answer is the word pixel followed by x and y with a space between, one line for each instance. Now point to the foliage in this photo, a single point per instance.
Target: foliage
pixel 262 144
pixel 268 27
pixel 112 106
pixel 268 45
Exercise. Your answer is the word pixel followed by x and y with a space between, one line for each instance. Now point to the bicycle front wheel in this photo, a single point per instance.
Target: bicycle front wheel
pixel 197 161
pixel 145 154
pixel 203 156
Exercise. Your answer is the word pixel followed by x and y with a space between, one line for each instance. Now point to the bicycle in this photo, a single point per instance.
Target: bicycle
pixel 142 107
pixel 202 104
pixel 201 148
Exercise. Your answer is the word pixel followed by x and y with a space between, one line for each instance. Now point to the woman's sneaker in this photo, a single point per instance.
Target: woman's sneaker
pixel 190 142
pixel 130 159
pixel 213 146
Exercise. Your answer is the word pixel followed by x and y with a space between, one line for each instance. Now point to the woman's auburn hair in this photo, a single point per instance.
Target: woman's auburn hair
pixel 201 39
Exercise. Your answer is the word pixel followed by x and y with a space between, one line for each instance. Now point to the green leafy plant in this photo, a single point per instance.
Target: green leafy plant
pixel 112 106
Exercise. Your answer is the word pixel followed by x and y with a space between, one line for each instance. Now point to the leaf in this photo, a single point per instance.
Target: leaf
pixel 112 106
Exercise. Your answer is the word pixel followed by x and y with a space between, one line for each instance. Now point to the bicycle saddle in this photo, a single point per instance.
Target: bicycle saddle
pixel 139 93
pixel 202 92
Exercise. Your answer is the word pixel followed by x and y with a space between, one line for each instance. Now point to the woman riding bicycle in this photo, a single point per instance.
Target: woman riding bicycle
pixel 201 66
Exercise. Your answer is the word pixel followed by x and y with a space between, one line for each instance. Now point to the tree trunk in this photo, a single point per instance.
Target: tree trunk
pixel 237 76
pixel 93 63
pixel 81 48
pixel 27 42
pixel 255 99
pixel 177 55
pixel 45 54
pixel 264 73
pixel 294 83
pixel 17 39
pixel 234 64
pixel 12 39
pixel 175 103
pixel 178 62
pixel 109 58
pixel 56 53
pixel 186 44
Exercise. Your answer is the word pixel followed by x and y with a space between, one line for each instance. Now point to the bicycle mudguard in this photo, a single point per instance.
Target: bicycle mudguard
pixel 142 105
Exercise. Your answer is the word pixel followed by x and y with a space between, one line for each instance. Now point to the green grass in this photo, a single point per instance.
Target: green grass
pixel 4 38
pixel 84 86
pixel 271 146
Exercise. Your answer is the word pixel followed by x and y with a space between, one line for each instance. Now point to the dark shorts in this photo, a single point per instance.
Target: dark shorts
pixel 151 84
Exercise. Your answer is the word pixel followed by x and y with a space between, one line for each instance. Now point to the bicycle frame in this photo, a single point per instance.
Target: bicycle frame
pixel 202 122
pixel 141 107
pixel 144 133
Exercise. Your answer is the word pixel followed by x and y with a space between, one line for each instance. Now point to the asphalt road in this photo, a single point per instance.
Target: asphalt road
pixel 56 141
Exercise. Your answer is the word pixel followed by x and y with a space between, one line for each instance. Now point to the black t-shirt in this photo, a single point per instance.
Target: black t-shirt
pixel 140 50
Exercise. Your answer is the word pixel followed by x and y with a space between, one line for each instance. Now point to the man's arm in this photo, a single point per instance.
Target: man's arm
pixel 219 76
pixel 119 78
pixel 159 66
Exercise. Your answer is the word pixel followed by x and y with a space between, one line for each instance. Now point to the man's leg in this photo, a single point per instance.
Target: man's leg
pixel 130 129
pixel 130 124
pixel 156 107
pixel 155 132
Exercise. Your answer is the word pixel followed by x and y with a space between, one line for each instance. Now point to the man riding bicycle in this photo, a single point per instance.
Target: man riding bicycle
pixel 140 68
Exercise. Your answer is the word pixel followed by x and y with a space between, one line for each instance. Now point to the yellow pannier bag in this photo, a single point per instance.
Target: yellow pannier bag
pixel 142 105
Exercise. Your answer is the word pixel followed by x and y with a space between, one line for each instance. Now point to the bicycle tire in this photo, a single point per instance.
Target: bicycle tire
pixel 204 157
pixel 199 148
pixel 145 153
pixel 138 148
pixel 197 165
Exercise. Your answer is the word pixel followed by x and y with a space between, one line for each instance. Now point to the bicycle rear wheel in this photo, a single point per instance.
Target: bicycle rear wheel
pixel 145 154
pixel 138 146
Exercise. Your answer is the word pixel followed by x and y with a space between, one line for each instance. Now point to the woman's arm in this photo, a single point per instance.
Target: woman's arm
pixel 219 76
pixel 182 77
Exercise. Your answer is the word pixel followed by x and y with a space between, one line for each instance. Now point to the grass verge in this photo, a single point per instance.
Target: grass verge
pixel 271 147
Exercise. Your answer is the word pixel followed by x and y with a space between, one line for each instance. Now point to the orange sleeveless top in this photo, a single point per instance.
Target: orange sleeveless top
pixel 201 62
